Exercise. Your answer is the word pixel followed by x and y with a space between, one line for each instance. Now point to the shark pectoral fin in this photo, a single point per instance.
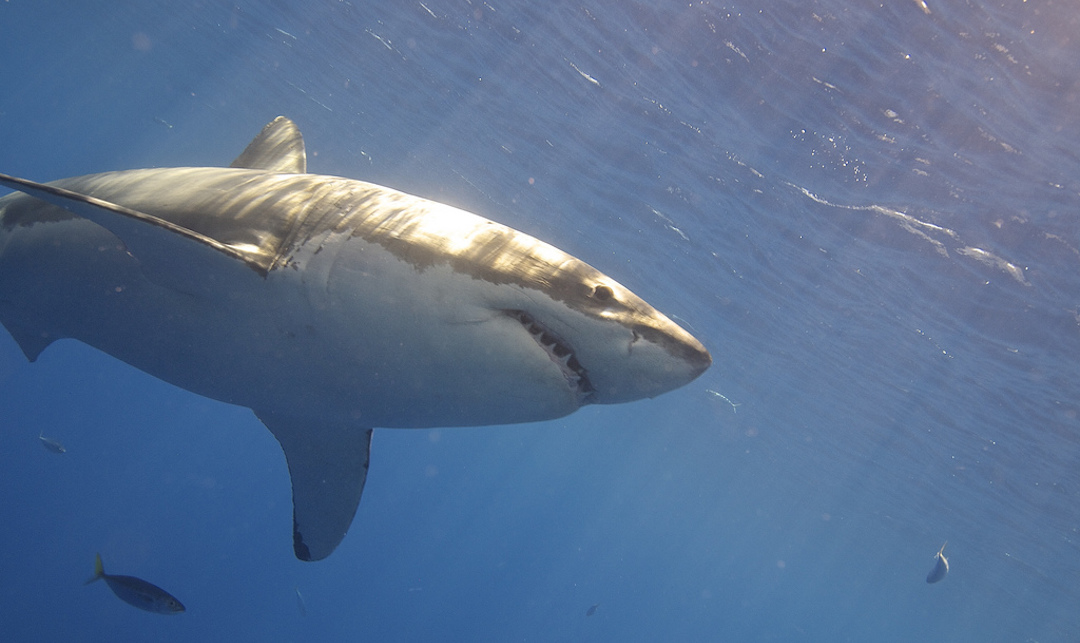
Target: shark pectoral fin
pixel 279 147
pixel 155 242
pixel 328 466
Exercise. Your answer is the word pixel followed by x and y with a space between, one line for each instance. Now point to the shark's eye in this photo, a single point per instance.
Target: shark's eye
pixel 603 293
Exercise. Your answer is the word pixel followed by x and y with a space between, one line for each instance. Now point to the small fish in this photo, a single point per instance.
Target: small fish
pixel 137 592
pixel 592 610
pixel 51 444
pixel 300 604
pixel 941 566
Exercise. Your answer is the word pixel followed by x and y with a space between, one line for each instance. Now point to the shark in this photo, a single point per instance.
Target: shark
pixel 328 306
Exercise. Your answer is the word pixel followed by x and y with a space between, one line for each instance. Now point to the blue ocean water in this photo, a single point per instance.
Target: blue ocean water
pixel 867 212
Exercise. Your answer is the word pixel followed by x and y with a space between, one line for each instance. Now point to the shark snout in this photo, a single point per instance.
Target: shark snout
pixel 685 352
pixel 688 359
pixel 659 358
pixel 697 358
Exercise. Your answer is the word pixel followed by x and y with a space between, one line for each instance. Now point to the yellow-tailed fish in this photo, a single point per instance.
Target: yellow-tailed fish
pixel 137 592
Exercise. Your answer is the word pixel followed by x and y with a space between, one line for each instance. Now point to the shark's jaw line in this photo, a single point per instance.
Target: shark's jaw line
pixel 561 354
pixel 326 305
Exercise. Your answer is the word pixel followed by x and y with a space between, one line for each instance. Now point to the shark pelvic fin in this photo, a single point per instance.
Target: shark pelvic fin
pixel 328 466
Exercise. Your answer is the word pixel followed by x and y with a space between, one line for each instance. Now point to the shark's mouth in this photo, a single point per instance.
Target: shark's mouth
pixel 561 353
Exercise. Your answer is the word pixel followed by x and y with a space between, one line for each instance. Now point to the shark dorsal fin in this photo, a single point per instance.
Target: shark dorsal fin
pixel 279 147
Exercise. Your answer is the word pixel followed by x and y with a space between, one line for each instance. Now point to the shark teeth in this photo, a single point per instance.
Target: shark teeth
pixel 560 353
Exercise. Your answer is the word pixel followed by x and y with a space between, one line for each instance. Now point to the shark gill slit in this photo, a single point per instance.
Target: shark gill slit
pixel 561 353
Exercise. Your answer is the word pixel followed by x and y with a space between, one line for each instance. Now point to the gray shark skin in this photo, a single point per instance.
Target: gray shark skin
pixel 326 305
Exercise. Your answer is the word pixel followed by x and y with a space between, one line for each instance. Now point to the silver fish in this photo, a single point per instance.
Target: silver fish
pixel 51 444
pixel 137 592
pixel 300 603
pixel 941 566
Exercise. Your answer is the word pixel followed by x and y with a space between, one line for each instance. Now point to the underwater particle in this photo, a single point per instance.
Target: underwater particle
pixel 51 444
pixel 141 42
pixel 137 592
pixel 941 566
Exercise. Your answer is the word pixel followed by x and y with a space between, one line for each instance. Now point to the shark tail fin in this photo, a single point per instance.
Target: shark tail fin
pixel 31 342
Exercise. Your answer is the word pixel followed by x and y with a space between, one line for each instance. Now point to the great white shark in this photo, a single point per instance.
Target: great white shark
pixel 326 305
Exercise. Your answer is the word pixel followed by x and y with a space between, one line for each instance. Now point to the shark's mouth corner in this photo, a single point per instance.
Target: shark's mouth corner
pixel 561 354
